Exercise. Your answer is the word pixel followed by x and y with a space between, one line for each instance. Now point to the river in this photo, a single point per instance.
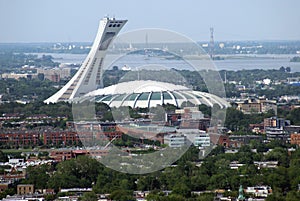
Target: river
pixel 231 62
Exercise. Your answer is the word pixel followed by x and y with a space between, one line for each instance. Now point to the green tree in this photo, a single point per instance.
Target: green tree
pixel 205 197
pixel 89 196
pixel 38 175
pixel 294 116
pixel 122 195
pixel 79 172
pixel 233 118
pixel 293 196
pixel 182 189
pixel 275 197
pixel 3 157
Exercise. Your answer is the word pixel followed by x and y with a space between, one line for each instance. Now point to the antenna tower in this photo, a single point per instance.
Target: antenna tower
pixel 211 43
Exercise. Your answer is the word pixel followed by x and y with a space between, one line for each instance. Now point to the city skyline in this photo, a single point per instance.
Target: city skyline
pixel 74 21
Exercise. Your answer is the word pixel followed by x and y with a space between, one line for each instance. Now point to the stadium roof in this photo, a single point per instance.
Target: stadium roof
pixel 147 93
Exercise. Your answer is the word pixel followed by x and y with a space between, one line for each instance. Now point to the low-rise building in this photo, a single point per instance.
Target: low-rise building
pixel 257 106
pixel 266 164
pixel 234 165
pixel 17 76
pixel 257 128
pixel 202 139
pixel 67 154
pixel 276 122
pixel 35 197
pixel 3 187
pixel 175 140
pixel 292 129
pixel 220 139
pixel 25 189
pixel 55 74
pixel 259 191
pixel 277 134
pixel 295 138
pixel 239 140
pixel 19 137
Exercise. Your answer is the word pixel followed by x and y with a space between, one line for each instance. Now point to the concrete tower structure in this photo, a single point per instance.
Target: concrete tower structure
pixel 211 43
pixel 89 76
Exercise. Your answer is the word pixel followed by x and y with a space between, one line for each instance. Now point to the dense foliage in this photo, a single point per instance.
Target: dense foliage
pixel 25 89
pixel 183 178
pixel 295 59
pixel 14 61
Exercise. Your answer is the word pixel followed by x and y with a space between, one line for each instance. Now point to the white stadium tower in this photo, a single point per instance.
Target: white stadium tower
pixel 89 76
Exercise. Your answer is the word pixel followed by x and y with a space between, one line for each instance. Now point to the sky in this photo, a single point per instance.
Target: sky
pixel 77 20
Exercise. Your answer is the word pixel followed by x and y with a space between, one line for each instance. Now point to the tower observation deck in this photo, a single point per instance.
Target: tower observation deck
pixel 89 75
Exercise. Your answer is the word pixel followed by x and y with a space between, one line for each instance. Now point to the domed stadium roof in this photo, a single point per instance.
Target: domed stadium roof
pixel 146 94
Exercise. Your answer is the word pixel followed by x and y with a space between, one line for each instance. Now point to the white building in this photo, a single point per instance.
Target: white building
pixel 187 137
pixel 17 76
pixel 175 140
pixel 202 139
pixel 277 134
pixel 259 191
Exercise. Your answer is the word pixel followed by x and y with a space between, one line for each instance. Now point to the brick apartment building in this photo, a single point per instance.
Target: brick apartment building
pixel 61 155
pixel 48 136
pixel 60 137
pixel 18 138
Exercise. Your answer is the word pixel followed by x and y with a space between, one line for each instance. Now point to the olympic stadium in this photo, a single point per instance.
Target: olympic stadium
pixel 137 93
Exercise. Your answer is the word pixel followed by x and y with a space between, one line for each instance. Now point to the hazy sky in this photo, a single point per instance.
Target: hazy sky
pixel 77 20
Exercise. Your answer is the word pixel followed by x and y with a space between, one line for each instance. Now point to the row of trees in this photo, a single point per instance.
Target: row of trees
pixel 185 177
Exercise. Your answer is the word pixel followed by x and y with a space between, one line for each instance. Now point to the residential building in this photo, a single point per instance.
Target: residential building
pixel 25 189
pixel 239 140
pixel 175 140
pixel 188 117
pixel 55 74
pixel 220 139
pixel 295 138
pixel 295 81
pixel 292 129
pixel 35 197
pixel 202 139
pixel 266 164
pixel 61 155
pixel 276 122
pixel 277 134
pixel 60 137
pixel 49 136
pixel 67 154
pixel 257 106
pixel 234 165
pixel 201 124
pixel 257 128
pixel 259 191
pixel 195 136
pixel 19 137
pixel 249 107
pixel 17 76
pixel 109 130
